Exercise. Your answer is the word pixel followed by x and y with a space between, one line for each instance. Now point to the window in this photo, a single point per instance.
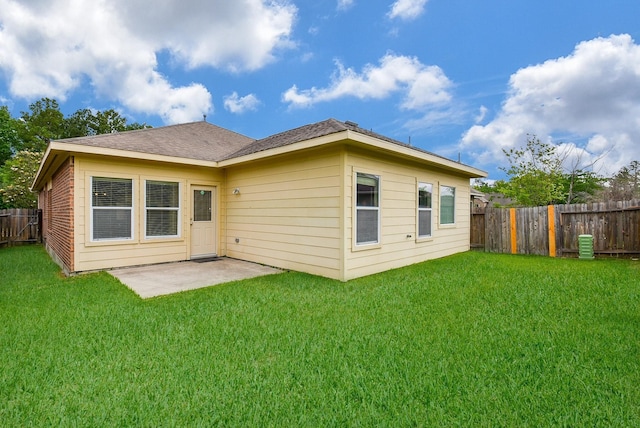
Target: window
pixel 162 205
pixel 111 208
pixel 202 205
pixel 447 204
pixel 367 208
pixel 425 193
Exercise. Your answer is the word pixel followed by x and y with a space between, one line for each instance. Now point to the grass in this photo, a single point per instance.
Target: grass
pixel 469 340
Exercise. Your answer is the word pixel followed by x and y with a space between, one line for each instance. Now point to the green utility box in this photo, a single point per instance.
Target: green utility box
pixel 585 247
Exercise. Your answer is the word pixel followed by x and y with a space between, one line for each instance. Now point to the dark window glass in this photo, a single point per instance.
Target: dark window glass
pixel 367 208
pixel 202 205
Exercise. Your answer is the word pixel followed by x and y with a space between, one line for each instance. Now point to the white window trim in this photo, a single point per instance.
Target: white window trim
pixel 131 210
pixel 419 209
pixel 178 209
pixel 371 244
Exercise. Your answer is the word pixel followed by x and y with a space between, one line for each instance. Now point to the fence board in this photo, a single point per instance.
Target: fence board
pixel 20 226
pixel 615 227
pixel 477 228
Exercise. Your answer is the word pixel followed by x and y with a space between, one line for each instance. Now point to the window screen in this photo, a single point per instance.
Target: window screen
pixel 367 208
pixel 112 208
pixel 447 204
pixel 425 194
pixel 162 201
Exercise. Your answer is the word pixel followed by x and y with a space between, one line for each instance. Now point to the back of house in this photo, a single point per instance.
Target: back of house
pixel 329 198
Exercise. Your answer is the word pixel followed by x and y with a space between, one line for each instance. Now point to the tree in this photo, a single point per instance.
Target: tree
pixel 78 124
pixel 23 140
pixel 43 122
pixel 580 183
pixel 86 122
pixel 16 177
pixel 535 174
pixel 625 184
pixel 482 186
pixel 541 174
pixel 9 138
pixel 581 186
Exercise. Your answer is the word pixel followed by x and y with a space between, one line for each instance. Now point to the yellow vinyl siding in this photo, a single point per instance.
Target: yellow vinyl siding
pixel 399 245
pixel 140 250
pixel 287 213
pixel 292 211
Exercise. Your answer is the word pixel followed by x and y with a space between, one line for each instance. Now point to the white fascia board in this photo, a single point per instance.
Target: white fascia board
pixel 42 162
pixel 418 155
pixel 366 140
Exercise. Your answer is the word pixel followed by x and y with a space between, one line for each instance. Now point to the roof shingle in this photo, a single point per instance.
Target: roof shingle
pixel 196 140
pixel 207 142
pixel 306 132
pixel 314 130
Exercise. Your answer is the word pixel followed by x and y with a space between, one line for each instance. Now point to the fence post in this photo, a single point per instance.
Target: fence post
pixel 514 231
pixel 552 230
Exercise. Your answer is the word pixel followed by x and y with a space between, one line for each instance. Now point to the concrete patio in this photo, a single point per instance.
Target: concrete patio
pixel 168 278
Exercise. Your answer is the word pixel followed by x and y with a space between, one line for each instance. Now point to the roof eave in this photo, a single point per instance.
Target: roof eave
pixel 56 147
pixel 38 180
pixel 368 141
pixel 418 155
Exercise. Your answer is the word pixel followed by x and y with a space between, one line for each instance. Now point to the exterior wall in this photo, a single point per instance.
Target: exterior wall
pixel 287 213
pixel 399 245
pixel 292 211
pixel 56 202
pixel 139 250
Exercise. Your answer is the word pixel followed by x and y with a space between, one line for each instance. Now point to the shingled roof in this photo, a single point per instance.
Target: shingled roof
pixel 196 140
pixel 203 141
pixel 306 132
pixel 314 130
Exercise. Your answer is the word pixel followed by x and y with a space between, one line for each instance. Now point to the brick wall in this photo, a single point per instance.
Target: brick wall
pixel 56 202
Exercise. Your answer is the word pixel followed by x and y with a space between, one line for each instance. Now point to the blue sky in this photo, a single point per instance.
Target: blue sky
pixel 459 78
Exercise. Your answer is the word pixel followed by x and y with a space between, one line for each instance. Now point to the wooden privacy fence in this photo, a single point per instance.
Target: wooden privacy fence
pixel 20 225
pixel 554 230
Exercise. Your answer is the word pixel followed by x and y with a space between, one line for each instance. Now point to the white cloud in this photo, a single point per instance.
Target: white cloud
pixel 422 86
pixel 591 95
pixel 307 56
pixel 49 48
pixel 441 116
pixel 407 9
pixel 154 94
pixel 345 4
pixel 236 104
pixel 237 35
pixel 482 113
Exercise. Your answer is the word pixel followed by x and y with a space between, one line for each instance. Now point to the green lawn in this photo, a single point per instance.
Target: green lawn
pixel 469 340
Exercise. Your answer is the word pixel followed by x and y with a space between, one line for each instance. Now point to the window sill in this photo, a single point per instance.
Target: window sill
pixel 106 243
pixel 447 226
pixel 155 240
pixel 364 247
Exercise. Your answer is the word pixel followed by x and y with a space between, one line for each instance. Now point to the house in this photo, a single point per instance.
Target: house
pixel 478 199
pixel 329 198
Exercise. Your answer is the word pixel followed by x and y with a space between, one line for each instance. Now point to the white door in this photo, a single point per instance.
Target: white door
pixel 203 222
